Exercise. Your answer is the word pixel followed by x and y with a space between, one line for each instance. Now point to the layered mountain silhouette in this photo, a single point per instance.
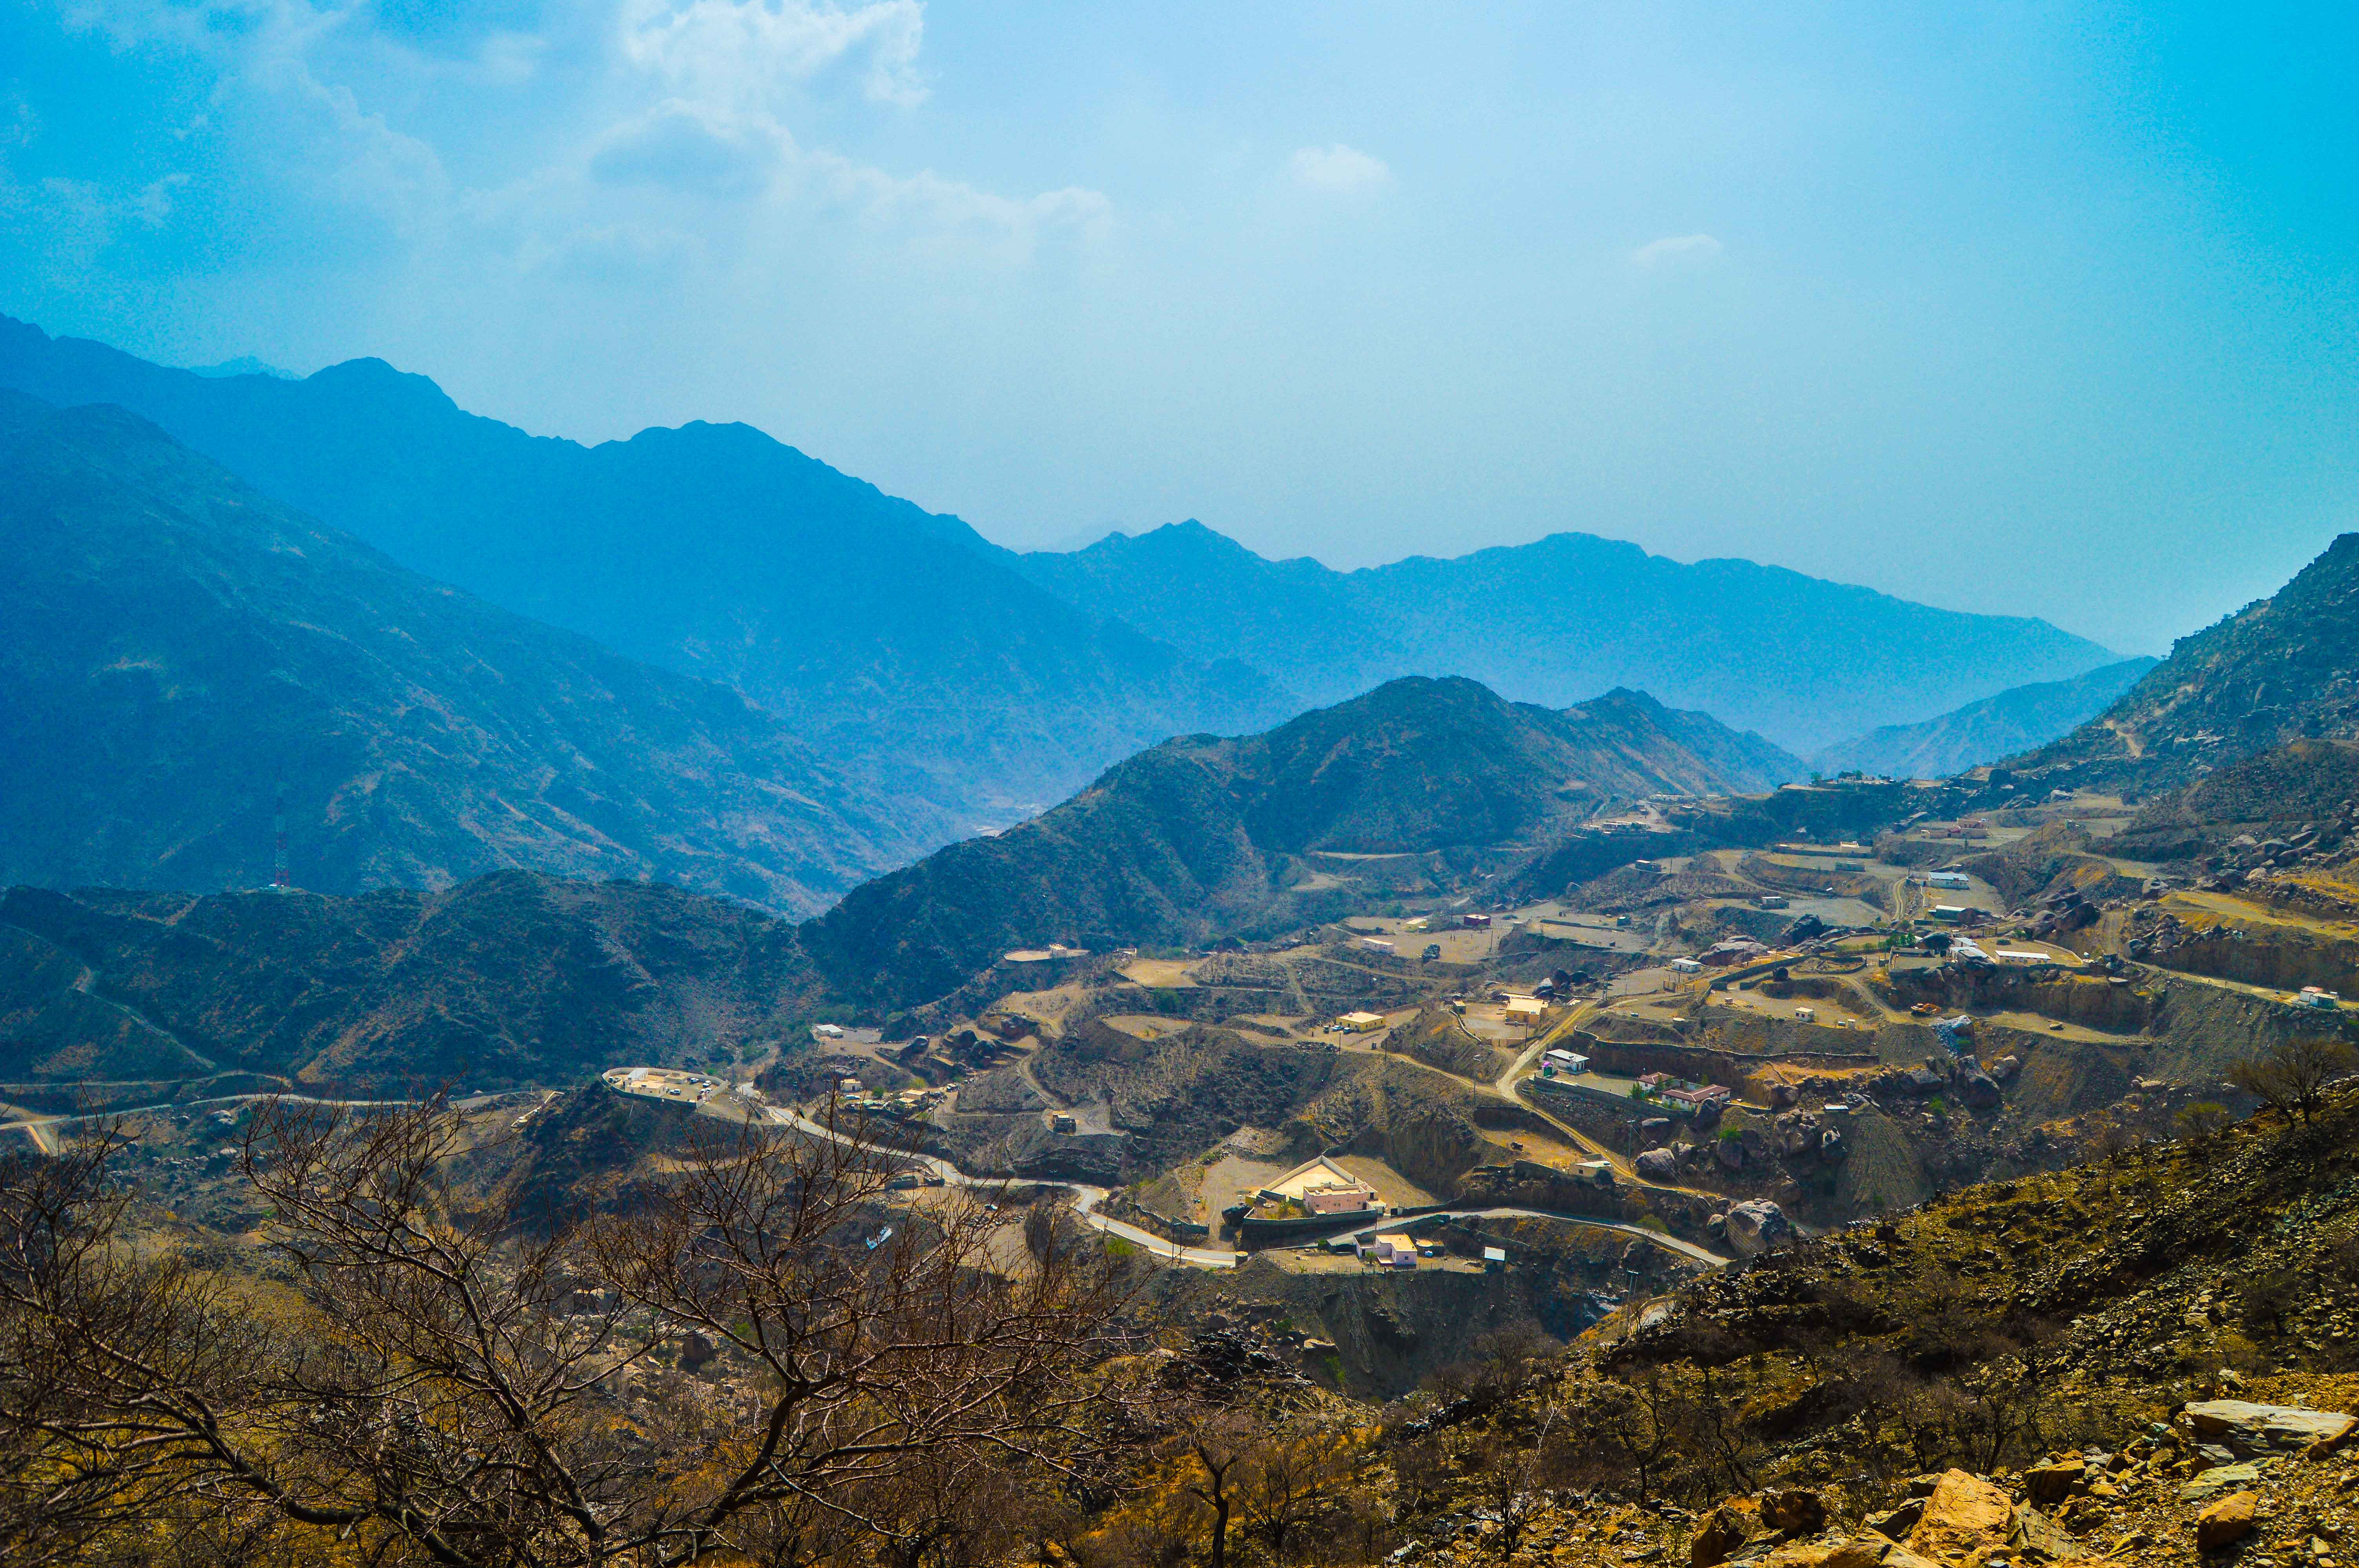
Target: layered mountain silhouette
pixel 894 640
pixel 2283 668
pixel 178 653
pixel 902 642
pixel 519 977
pixel 1985 732
pixel 1803 661
pixel 1201 835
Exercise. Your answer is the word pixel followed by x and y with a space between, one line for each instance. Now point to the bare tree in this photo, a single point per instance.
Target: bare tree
pixel 1290 1480
pixel 450 1387
pixel 117 1370
pixel 2291 1078
pixel 1216 1446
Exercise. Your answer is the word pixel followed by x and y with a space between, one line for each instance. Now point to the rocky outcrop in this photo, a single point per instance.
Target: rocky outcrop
pixel 2248 1429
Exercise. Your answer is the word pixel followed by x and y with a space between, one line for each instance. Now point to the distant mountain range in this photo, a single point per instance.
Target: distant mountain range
pixel 912 654
pixel 516 977
pixel 1202 836
pixel 896 642
pixel 2282 670
pixel 1985 732
pixel 1803 661
pixel 179 653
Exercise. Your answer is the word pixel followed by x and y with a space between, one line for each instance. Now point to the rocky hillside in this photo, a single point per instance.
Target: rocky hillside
pixel 893 638
pixel 179 653
pixel 2285 669
pixel 510 979
pixel 2298 791
pixel 2145 1359
pixel 2015 720
pixel 1803 661
pixel 1203 835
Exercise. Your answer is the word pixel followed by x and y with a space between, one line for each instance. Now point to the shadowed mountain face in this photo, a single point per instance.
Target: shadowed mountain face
pixel 516 977
pixel 1803 661
pixel 1201 835
pixel 1985 732
pixel 510 979
pixel 897 641
pixel 2285 669
pixel 176 649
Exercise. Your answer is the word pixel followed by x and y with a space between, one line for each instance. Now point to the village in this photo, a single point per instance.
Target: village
pixel 1726 1044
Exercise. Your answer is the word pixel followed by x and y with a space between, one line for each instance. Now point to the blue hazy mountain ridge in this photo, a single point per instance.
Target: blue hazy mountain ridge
pixel 899 643
pixel 1803 660
pixel 178 651
pixel 1985 732
pixel 903 644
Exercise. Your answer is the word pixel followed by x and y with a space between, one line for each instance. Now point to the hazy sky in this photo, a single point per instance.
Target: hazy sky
pixel 2047 309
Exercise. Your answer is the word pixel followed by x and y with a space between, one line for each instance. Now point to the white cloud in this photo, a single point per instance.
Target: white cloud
pixel 1676 250
pixel 678 149
pixel 738 51
pixel 1346 171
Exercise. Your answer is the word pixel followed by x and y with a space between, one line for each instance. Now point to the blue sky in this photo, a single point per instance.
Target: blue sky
pixel 2046 309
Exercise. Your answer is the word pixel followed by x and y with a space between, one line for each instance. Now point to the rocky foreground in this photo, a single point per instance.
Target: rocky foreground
pixel 2149 1359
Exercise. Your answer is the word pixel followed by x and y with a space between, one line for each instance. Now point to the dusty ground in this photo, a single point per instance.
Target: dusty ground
pixel 1159 972
pixel 1387 1184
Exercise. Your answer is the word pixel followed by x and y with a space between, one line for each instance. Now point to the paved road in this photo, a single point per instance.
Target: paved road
pixel 1087 1200
pixel 39 1128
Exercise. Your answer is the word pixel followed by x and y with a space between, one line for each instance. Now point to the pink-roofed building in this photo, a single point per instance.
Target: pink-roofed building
pixel 1339 1200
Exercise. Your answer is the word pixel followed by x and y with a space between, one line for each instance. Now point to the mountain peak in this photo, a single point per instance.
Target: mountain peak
pixel 2283 668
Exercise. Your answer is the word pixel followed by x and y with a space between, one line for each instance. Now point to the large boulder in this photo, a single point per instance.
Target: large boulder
pixel 1658 1164
pixel 1730 1151
pixel 1853 1555
pixel 1795 1511
pixel 2249 1429
pixel 1963 1513
pixel 2226 1521
pixel 2054 1481
pixel 1724 1529
pixel 1980 1089
pixel 1757 1225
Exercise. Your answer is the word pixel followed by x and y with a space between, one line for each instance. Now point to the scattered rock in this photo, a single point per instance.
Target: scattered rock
pixel 2035 1535
pixel 1853 1555
pixel 2218 1479
pixel 2226 1521
pixel 1794 1513
pixel 2054 1483
pixel 1964 1512
pixel 1724 1529
pixel 1896 1523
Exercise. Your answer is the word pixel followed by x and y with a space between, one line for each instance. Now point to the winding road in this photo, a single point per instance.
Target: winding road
pixel 1087 1198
